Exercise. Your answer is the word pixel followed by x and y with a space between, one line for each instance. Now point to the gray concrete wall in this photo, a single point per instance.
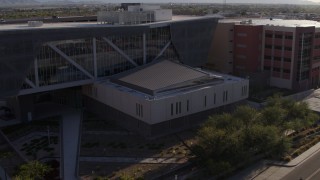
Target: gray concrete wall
pixel 152 131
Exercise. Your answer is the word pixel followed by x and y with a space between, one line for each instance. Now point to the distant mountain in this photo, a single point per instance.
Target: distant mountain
pixel 15 2
pixel 21 2
pixel 32 2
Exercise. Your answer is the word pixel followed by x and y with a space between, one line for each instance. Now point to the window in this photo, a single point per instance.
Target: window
pixel 268 46
pixel 316 58
pixel 276 69
pixel 286 71
pixel 242 34
pixel 278 47
pixel 241 45
pixel 176 107
pixel 139 110
pixel 278 36
pixel 277 58
pixel 214 98
pixel 244 90
pixel 267 68
pixel 187 105
pixel 241 56
pixel 317 47
pixel 225 96
pixel 205 101
pixel 288 37
pixel 267 57
pixel 317 36
pixel 304 75
pixel 287 59
pixel 288 48
pixel 268 35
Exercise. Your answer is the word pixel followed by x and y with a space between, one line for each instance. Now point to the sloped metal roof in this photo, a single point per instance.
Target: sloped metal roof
pixel 159 76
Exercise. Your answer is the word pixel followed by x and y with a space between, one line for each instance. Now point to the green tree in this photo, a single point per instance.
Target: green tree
pixel 247 115
pixel 229 139
pixel 33 170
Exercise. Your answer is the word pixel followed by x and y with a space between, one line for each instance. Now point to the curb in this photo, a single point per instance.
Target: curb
pixel 281 165
pixel 302 160
pixel 286 165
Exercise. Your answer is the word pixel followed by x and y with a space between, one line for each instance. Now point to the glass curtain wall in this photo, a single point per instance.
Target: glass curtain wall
pixel 54 69
pixel 304 56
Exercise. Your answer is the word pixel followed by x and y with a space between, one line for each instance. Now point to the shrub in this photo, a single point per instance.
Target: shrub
pixel 287 158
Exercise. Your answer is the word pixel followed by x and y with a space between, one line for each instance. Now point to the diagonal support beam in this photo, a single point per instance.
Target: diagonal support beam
pixel 119 51
pixel 144 40
pixel 70 60
pixel 162 50
pixel 95 65
pixel 30 83
pixel 36 71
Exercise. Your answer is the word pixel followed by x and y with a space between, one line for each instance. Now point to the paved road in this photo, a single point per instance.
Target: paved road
pixel 308 170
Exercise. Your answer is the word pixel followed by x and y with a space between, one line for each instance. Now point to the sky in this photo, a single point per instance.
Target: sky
pixel 215 1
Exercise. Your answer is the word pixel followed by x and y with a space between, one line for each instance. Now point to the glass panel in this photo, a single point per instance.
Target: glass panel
pixel 157 38
pixel 109 61
pixel 80 51
pixel 54 69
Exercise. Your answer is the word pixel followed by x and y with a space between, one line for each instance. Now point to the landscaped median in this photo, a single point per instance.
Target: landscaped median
pixel 230 141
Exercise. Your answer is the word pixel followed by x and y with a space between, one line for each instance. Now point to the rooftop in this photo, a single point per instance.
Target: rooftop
pixel 276 22
pixel 160 76
pixel 11 27
pixel 166 78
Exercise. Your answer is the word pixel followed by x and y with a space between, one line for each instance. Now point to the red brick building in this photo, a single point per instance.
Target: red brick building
pixel 284 52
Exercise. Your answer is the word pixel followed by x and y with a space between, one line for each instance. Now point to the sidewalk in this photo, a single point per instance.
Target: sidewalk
pixel 270 170
pixel 133 160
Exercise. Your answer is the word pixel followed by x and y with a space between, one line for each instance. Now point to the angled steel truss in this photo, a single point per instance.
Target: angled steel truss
pixel 34 86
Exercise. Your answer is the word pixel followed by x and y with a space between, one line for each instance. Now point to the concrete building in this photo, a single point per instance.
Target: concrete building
pixel 135 14
pixel 154 103
pixel 283 53
pixel 144 75
pixel 221 51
